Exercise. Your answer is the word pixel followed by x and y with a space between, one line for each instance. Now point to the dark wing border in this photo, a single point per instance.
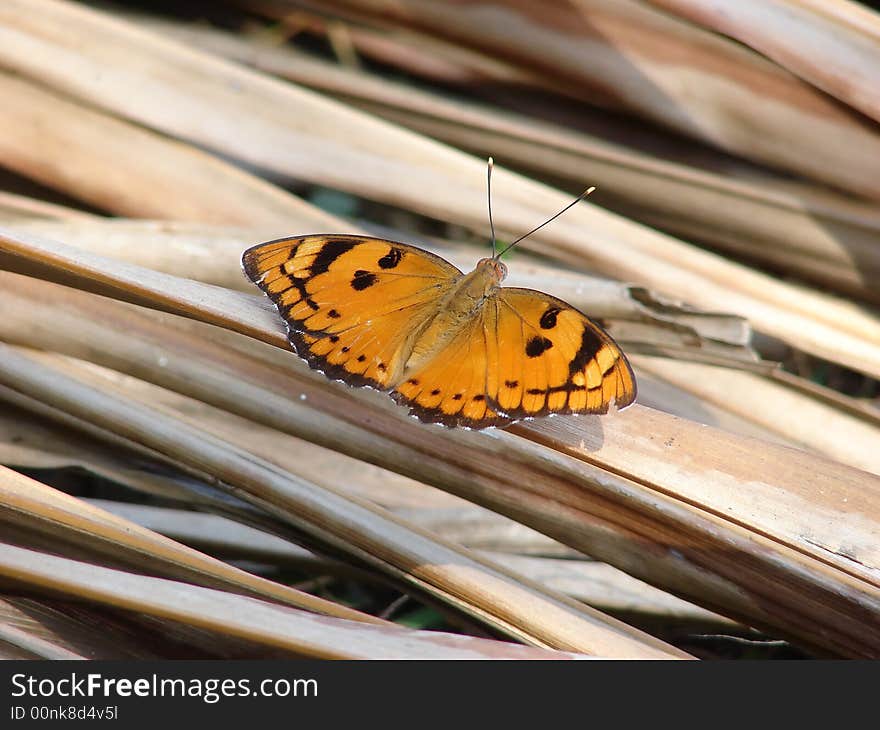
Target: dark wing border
pixel 435 415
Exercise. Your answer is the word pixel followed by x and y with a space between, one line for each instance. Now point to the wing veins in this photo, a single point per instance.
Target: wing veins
pixel 325 333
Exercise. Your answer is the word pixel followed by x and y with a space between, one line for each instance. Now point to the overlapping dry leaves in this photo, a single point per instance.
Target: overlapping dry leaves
pixel 231 503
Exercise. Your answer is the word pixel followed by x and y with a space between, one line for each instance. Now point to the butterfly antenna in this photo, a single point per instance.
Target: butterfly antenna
pixel 574 202
pixel 489 196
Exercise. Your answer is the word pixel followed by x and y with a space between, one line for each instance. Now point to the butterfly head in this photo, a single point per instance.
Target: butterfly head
pixel 492 269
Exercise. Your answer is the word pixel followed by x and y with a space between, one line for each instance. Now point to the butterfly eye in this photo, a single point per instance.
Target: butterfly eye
pixel 497 268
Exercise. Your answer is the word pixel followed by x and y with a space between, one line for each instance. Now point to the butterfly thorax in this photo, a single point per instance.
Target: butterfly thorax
pixel 454 310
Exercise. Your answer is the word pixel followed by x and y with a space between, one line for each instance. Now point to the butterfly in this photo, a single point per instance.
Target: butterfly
pixel 458 349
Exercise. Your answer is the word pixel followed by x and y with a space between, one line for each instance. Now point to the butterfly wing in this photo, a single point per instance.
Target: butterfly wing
pixel 451 388
pixel 351 303
pixel 554 359
pixel 525 354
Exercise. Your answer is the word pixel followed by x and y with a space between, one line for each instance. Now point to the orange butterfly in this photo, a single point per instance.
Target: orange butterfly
pixel 458 349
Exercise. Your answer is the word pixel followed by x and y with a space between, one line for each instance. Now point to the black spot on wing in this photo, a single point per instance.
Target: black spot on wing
pixel 330 251
pixel 548 319
pixel 590 345
pixel 538 345
pixel 362 280
pixel 391 259
pixel 511 383
pixel 333 314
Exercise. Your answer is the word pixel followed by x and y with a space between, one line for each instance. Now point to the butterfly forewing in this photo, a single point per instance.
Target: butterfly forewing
pixel 350 302
pixel 555 359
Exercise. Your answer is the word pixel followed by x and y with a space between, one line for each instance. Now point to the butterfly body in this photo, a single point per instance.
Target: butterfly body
pixel 458 349
pixel 467 294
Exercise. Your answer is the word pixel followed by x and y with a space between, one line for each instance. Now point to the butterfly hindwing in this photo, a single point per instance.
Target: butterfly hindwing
pixel 451 387
pixel 350 302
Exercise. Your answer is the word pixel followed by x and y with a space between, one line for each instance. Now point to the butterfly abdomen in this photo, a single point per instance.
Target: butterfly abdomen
pixel 454 311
